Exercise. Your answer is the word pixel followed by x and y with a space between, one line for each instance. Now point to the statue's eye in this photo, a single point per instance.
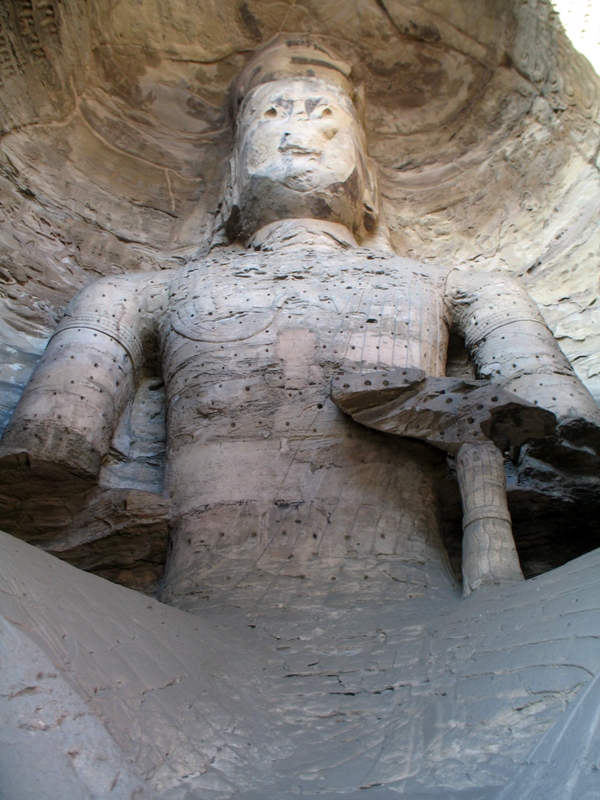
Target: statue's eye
pixel 327 112
pixel 271 112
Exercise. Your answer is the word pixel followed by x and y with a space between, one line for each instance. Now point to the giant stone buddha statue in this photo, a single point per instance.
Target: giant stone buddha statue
pixel 270 481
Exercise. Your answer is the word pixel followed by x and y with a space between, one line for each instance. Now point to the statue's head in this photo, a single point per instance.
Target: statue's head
pixel 300 149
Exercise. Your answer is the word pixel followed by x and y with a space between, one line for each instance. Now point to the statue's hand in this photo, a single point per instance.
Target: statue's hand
pixel 445 412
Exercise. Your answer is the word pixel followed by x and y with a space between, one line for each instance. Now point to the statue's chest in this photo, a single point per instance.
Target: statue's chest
pixel 240 302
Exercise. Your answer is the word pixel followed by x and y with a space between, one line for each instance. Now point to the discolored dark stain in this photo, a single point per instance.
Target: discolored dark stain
pixel 315 62
pixel 407 84
pixel 233 224
pixel 427 33
pixel 424 33
pixel 266 77
pixel 122 69
pixel 311 104
pixel 350 187
pixel 251 23
pixel 198 109
pixel 320 208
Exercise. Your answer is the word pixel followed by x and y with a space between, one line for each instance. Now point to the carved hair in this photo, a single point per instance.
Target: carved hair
pixel 291 57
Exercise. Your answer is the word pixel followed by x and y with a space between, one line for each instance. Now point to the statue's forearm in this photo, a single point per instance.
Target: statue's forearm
pixel 70 407
pixel 510 344
pixel 489 554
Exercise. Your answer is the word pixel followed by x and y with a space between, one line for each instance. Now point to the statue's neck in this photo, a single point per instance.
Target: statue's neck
pixel 303 234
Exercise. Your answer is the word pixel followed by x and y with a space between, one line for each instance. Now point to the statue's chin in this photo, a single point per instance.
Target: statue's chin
pixel 303 182
pixel 301 195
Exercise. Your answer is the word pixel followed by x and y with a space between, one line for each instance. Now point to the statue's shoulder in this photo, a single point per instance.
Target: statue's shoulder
pixel 402 268
pixel 212 263
pixel 473 280
pixel 128 283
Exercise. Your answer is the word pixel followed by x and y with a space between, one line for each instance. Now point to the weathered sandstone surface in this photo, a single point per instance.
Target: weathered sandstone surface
pixel 328 650
pixel 482 122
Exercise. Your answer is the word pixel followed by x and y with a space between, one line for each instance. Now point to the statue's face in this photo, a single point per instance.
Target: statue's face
pixel 299 153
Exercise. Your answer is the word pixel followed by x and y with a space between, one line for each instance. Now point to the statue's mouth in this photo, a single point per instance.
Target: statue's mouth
pixel 298 150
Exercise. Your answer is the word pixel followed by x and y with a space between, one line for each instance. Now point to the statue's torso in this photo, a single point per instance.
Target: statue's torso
pixel 259 457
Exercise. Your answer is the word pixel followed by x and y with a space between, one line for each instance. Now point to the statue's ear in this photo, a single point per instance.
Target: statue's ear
pixel 370 198
pixel 230 205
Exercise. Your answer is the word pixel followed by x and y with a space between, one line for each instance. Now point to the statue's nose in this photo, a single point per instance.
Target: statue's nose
pixel 299 137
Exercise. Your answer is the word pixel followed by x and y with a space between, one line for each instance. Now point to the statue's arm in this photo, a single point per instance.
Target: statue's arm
pixel 69 409
pixel 511 345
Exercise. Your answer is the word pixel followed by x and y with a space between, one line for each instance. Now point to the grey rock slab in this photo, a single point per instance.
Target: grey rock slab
pixel 446 412
pixel 231 702
pixel 52 745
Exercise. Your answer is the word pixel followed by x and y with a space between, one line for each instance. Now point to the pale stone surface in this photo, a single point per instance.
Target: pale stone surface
pixel 483 128
pixel 481 120
pixel 410 694
pixel 53 744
